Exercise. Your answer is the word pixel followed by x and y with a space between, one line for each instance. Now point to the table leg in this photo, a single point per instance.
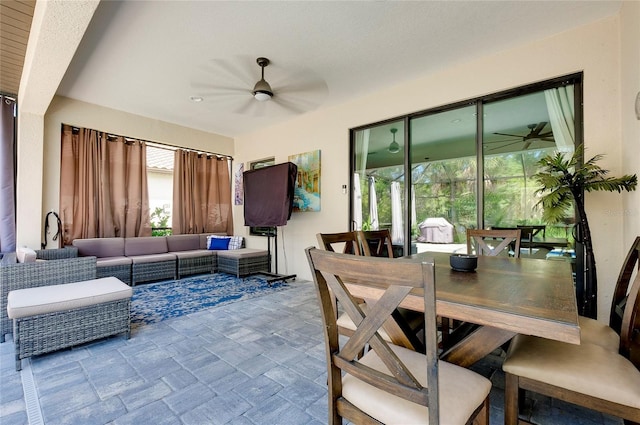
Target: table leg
pixel 476 345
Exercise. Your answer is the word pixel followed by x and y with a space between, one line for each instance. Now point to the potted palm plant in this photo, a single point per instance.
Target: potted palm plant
pixel 563 183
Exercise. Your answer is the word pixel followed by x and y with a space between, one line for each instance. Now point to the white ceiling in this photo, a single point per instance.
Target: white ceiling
pixel 149 57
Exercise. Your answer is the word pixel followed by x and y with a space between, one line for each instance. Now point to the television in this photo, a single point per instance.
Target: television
pixel 268 195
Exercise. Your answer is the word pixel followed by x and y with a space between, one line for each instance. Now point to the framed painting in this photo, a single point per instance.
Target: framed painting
pixel 307 188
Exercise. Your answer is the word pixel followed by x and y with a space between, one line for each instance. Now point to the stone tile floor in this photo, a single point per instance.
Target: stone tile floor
pixel 259 361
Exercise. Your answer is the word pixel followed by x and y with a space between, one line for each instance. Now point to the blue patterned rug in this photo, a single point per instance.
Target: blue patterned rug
pixel 154 302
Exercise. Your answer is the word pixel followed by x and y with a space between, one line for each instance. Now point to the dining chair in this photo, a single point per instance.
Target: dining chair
pixel 493 242
pixel 584 374
pixel 389 384
pixel 377 243
pixel 608 335
pixel 397 331
pixel 345 242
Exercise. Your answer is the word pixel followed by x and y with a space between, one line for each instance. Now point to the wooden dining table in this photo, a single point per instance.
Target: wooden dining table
pixel 503 296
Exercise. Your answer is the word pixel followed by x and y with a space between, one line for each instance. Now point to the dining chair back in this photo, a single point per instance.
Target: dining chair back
pixel 584 374
pixel 631 263
pixel 399 330
pixel 376 243
pixel 389 384
pixel 493 242
pixel 345 242
pixel 535 229
pixel 606 335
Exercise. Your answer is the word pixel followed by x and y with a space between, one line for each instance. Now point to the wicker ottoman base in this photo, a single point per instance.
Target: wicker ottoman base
pixel 50 318
pixel 242 262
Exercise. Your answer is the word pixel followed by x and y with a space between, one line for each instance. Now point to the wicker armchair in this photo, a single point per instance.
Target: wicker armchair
pixel 30 275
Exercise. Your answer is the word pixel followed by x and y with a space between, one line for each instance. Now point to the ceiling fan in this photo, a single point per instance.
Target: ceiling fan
pixel 535 133
pixel 232 82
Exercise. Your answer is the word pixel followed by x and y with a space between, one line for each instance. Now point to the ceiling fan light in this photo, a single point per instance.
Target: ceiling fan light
pixel 262 96
pixel 394 147
pixel 262 91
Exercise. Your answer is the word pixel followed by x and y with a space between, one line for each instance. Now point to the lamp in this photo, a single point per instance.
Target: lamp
pixel 262 90
pixel 394 147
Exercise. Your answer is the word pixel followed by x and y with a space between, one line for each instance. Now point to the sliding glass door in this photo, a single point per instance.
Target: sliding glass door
pixel 431 175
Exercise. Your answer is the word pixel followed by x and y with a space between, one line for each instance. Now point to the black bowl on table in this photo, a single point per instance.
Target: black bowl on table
pixel 463 262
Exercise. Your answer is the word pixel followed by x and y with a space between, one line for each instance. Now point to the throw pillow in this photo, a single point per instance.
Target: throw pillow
pixel 218 243
pixel 25 255
pixel 235 242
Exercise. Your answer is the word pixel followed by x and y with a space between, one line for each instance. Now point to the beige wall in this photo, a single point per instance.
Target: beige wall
pixel 630 86
pixel 594 49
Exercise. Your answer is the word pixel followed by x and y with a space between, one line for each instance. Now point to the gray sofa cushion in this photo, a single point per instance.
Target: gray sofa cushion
pixel 152 258
pixel 145 246
pixel 113 261
pixel 183 242
pixel 193 254
pixel 100 247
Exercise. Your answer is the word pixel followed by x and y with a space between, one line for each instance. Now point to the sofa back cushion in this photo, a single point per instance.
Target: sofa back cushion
pixel 183 242
pixel 100 247
pixel 145 245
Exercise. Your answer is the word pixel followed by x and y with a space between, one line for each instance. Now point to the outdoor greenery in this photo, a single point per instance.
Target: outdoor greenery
pixel 448 189
pixel 159 222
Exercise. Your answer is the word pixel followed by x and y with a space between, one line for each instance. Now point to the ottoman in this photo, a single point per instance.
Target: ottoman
pixel 244 261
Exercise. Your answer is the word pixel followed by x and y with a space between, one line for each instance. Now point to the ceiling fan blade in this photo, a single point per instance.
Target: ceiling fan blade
pixel 288 105
pixel 503 146
pixel 519 138
pixel 535 132
pixel 246 106
pixel 527 144
pixel 510 135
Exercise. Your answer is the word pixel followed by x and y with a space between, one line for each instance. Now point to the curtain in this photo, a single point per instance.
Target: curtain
pixel 373 205
pixel 201 194
pixel 103 186
pixel 357 202
pixel 397 230
pixel 560 106
pixel 7 174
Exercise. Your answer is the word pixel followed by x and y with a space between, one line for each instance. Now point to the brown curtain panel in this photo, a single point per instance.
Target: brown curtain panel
pixel 201 194
pixel 103 186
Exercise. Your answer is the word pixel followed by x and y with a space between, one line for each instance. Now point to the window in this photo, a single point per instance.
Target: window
pixel 431 175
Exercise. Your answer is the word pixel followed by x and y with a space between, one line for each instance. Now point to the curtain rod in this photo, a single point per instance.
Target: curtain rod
pixel 8 96
pixel 162 145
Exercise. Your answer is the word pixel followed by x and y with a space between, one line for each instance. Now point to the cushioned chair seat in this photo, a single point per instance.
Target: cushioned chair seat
pixel 461 391
pixel 574 367
pixel 595 332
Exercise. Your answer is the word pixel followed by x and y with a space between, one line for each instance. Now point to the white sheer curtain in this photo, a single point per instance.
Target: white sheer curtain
pixel 397 232
pixel 373 205
pixel 357 203
pixel 560 106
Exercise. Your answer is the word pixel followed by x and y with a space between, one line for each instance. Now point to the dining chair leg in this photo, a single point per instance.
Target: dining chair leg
pixel 511 399
pixel 482 418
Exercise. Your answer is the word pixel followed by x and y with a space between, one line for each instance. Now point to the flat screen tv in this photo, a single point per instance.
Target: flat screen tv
pixel 268 194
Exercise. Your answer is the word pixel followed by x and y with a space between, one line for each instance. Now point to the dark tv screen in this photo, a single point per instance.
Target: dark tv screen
pixel 268 195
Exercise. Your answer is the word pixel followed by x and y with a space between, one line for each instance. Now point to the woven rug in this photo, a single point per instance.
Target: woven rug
pixel 154 302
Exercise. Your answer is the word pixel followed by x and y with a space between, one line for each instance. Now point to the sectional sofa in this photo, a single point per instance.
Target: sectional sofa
pixel 142 259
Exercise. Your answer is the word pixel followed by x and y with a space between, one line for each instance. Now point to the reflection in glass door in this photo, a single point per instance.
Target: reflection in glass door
pixel 518 132
pixel 443 168
pixel 378 180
